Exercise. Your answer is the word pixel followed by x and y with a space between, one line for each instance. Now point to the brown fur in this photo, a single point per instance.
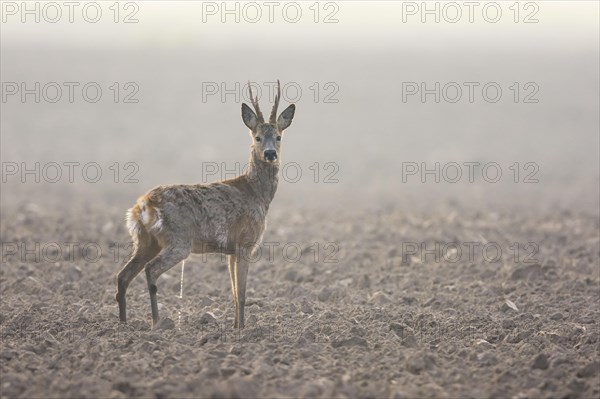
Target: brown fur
pixel 170 222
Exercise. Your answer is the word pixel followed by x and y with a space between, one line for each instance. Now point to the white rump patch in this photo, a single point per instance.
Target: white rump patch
pixel 132 225
pixel 158 223
pixel 144 213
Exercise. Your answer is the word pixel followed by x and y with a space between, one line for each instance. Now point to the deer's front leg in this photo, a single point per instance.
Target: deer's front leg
pixel 241 272
pixel 165 260
pixel 232 260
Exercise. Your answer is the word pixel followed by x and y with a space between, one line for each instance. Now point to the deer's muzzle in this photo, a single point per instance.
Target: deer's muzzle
pixel 270 155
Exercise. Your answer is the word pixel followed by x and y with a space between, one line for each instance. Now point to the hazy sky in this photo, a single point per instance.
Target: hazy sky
pixel 176 47
pixel 350 23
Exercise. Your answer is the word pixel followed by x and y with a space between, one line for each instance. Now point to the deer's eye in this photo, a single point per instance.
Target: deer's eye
pixel 278 138
pixel 257 139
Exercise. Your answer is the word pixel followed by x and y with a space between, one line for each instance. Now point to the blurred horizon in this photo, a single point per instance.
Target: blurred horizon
pixel 351 112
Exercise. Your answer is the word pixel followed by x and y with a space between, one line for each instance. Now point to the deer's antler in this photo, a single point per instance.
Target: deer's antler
pixel 273 118
pixel 254 102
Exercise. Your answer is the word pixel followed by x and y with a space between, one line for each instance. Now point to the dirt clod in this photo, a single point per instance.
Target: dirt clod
pixel 541 362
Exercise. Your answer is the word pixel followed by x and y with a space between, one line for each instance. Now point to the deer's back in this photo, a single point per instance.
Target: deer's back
pixel 216 217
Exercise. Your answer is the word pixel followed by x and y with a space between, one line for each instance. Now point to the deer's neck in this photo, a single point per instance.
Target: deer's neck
pixel 263 178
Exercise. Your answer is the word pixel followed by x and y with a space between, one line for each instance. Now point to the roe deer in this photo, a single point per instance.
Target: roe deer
pixel 170 222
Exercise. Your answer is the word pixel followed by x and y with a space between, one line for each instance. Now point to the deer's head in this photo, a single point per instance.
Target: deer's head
pixel 266 136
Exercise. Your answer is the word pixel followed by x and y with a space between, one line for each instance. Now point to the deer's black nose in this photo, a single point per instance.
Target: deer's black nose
pixel 270 155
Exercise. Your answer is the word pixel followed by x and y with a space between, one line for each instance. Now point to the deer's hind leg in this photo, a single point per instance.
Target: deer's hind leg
pixel 168 257
pixel 143 252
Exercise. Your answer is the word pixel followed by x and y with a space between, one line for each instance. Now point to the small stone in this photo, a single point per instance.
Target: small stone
pixel 405 333
pixel 483 344
pixel 380 298
pixel 540 362
pixel 165 324
pixel 419 362
pixel 7 354
pixel 589 370
pixel 148 346
pixel 506 377
pixel 124 386
pixel 354 341
pixel 528 272
pixel 508 324
pixel 409 300
pixel 252 320
pixel 364 282
pixel 308 335
pixel 205 301
pixel 290 275
pixel 227 372
pixel 305 307
pixel 211 369
pixel 328 315
pixel 236 350
pixel 577 386
pixel 487 358
pixel 324 294
pixel 208 318
pixel 345 282
pixel 556 316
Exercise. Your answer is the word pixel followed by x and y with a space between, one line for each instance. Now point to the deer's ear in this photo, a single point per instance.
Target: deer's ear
pixel 249 117
pixel 285 118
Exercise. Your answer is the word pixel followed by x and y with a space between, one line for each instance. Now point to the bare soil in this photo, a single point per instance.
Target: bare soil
pixel 367 316
pixel 392 295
